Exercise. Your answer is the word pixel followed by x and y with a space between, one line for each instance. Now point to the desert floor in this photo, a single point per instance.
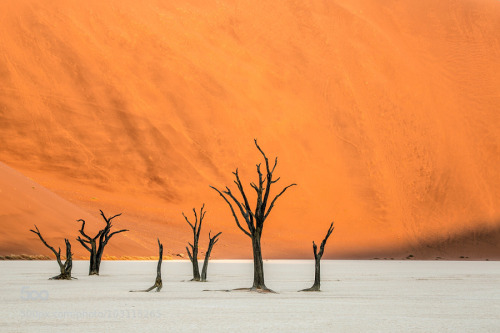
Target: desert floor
pixel 357 296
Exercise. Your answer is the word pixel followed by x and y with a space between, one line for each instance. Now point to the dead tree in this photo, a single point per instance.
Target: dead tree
pixel 158 283
pixel 68 264
pixel 317 259
pixel 95 245
pixel 255 219
pixel 211 244
pixel 193 254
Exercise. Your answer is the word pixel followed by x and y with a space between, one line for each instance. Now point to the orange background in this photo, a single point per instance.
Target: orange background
pixel 386 115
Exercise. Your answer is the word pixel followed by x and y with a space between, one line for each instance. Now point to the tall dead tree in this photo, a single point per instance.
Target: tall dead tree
pixel 255 219
pixel 158 282
pixel 68 264
pixel 317 259
pixel 211 243
pixel 95 245
pixel 193 254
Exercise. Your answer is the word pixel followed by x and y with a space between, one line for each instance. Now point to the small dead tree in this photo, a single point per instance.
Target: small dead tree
pixel 317 259
pixel 212 241
pixel 68 264
pixel 95 245
pixel 255 219
pixel 158 282
pixel 193 254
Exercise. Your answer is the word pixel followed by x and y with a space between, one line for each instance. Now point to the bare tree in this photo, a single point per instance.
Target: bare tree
pixel 95 245
pixel 193 254
pixel 158 282
pixel 317 259
pixel 68 264
pixel 255 219
pixel 212 241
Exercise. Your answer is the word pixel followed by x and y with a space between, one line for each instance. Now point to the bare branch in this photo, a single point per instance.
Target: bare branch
pixel 116 232
pixel 255 187
pixel 82 232
pixel 37 232
pixel 276 198
pixel 83 243
pixel 202 216
pixel 322 246
pixel 242 191
pixel 259 190
pixel 232 211
pixel 269 181
pixel 275 163
pixel 83 240
pixel 246 213
pixel 112 217
pixel 57 254
pixel 187 220
pixel 189 253
pixel 265 157
pixel 195 219
pixel 202 212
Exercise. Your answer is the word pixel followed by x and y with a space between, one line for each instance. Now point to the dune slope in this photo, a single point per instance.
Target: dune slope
pixel 385 115
pixel 26 204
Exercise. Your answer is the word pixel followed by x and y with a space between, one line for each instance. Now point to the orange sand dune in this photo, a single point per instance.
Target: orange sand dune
pixel 26 203
pixel 386 115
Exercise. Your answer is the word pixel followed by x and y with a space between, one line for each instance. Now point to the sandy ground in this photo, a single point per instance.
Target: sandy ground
pixel 384 114
pixel 357 296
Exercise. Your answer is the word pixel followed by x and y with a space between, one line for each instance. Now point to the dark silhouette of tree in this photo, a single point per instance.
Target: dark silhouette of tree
pixel 211 243
pixel 95 245
pixel 158 282
pixel 317 259
pixel 193 254
pixel 68 264
pixel 254 219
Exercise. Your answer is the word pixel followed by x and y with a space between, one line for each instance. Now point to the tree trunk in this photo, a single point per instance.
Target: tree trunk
pixel 98 258
pixel 258 265
pixel 317 273
pixel 205 267
pixel 93 267
pixel 194 261
pixel 94 270
pixel 211 243
pixel 158 282
pixel 65 268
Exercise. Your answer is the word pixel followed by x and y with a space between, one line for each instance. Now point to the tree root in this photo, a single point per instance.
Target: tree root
pixel 253 289
pixel 156 285
pixel 63 277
